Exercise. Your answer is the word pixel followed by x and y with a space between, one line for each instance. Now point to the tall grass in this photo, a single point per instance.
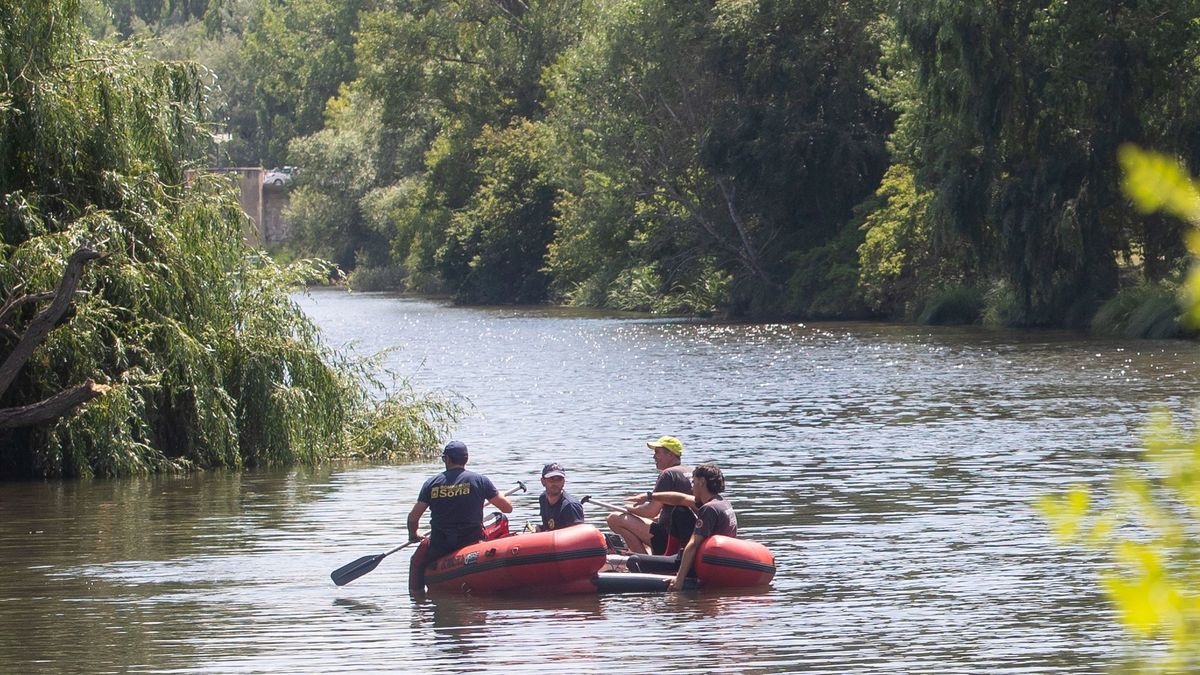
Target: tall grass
pixel 1141 311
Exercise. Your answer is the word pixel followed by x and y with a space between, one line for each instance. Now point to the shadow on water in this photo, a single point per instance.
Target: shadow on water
pixel 357 607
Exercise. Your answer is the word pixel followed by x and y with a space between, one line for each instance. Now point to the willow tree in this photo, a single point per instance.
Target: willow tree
pixel 1023 104
pixel 137 330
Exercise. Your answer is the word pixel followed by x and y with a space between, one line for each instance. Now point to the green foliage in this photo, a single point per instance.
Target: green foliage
pixel 497 243
pixel 209 361
pixel 326 206
pixel 950 306
pixel 898 247
pixel 636 289
pixel 298 54
pixel 683 133
pixel 365 278
pixel 1019 107
pixel 1001 307
pixel 689 134
pixel 1156 182
pixel 1141 311
pixel 596 221
pixel 640 289
pixel 1149 532
pixel 825 281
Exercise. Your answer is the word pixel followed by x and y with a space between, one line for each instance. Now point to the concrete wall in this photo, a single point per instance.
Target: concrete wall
pixel 250 196
pixel 263 203
pixel 274 229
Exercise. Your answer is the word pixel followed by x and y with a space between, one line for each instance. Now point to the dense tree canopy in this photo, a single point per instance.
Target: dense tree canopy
pixel 1023 106
pixel 725 155
pixel 125 281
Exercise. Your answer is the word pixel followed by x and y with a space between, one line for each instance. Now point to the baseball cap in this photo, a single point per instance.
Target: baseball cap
pixel 553 469
pixel 456 451
pixel 668 442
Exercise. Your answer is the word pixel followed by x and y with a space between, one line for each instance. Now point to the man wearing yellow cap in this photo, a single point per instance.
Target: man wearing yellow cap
pixel 651 526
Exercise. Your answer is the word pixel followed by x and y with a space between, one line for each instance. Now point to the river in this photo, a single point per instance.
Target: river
pixel 890 468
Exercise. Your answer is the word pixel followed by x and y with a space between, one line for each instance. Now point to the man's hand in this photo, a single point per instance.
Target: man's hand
pixel 413 537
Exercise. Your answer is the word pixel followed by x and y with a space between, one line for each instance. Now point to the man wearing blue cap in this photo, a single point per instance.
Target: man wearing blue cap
pixel 455 501
pixel 558 509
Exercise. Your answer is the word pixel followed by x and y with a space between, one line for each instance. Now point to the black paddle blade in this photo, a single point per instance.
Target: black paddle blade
pixel 351 571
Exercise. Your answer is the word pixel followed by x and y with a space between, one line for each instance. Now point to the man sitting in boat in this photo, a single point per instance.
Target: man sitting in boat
pixel 652 525
pixel 557 508
pixel 714 514
pixel 455 500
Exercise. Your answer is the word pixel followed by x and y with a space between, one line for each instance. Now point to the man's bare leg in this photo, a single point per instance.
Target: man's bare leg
pixel 634 529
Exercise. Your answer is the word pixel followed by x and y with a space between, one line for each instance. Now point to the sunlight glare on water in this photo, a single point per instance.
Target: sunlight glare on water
pixel 889 468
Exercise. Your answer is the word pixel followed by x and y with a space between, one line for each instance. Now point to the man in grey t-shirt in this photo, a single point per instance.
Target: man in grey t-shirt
pixel 649 525
pixel 714 516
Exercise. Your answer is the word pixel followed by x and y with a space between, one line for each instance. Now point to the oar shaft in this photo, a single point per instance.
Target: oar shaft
pixel 404 545
pixel 610 507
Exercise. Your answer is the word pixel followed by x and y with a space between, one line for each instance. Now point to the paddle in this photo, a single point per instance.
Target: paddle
pixel 351 571
pixel 610 507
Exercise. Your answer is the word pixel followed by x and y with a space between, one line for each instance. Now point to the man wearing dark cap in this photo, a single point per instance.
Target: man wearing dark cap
pixel 558 509
pixel 455 501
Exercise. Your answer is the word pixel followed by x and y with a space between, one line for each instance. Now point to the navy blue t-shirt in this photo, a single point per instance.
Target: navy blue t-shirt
pixel 716 517
pixel 455 498
pixel 568 511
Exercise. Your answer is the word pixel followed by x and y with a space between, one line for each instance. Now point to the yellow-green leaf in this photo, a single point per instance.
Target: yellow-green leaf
pixel 1156 182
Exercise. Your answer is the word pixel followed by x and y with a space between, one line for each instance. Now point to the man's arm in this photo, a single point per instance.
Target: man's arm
pixel 685 562
pixel 501 502
pixel 644 506
pixel 414 520
pixel 674 499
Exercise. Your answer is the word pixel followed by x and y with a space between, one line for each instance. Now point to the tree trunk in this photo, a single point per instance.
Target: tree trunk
pixel 52 408
pixel 35 333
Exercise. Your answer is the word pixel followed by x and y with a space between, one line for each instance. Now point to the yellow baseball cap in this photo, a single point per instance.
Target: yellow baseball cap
pixel 668 442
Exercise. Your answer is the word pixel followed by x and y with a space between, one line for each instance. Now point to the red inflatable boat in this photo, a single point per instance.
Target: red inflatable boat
pixel 726 562
pixel 571 560
pixel 721 562
pixel 559 561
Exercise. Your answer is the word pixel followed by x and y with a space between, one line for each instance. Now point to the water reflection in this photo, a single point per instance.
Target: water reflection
pixel 458 624
pixel 357 607
pixel 889 469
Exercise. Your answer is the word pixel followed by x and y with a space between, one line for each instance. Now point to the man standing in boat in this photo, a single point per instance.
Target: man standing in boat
pixel 652 526
pixel 714 514
pixel 455 501
pixel 557 508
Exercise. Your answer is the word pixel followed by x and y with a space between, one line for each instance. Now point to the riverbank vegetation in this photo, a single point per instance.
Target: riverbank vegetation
pixel 923 161
pixel 138 333
pixel 1147 531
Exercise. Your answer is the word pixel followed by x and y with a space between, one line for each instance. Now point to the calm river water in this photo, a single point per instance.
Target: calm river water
pixel 890 468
